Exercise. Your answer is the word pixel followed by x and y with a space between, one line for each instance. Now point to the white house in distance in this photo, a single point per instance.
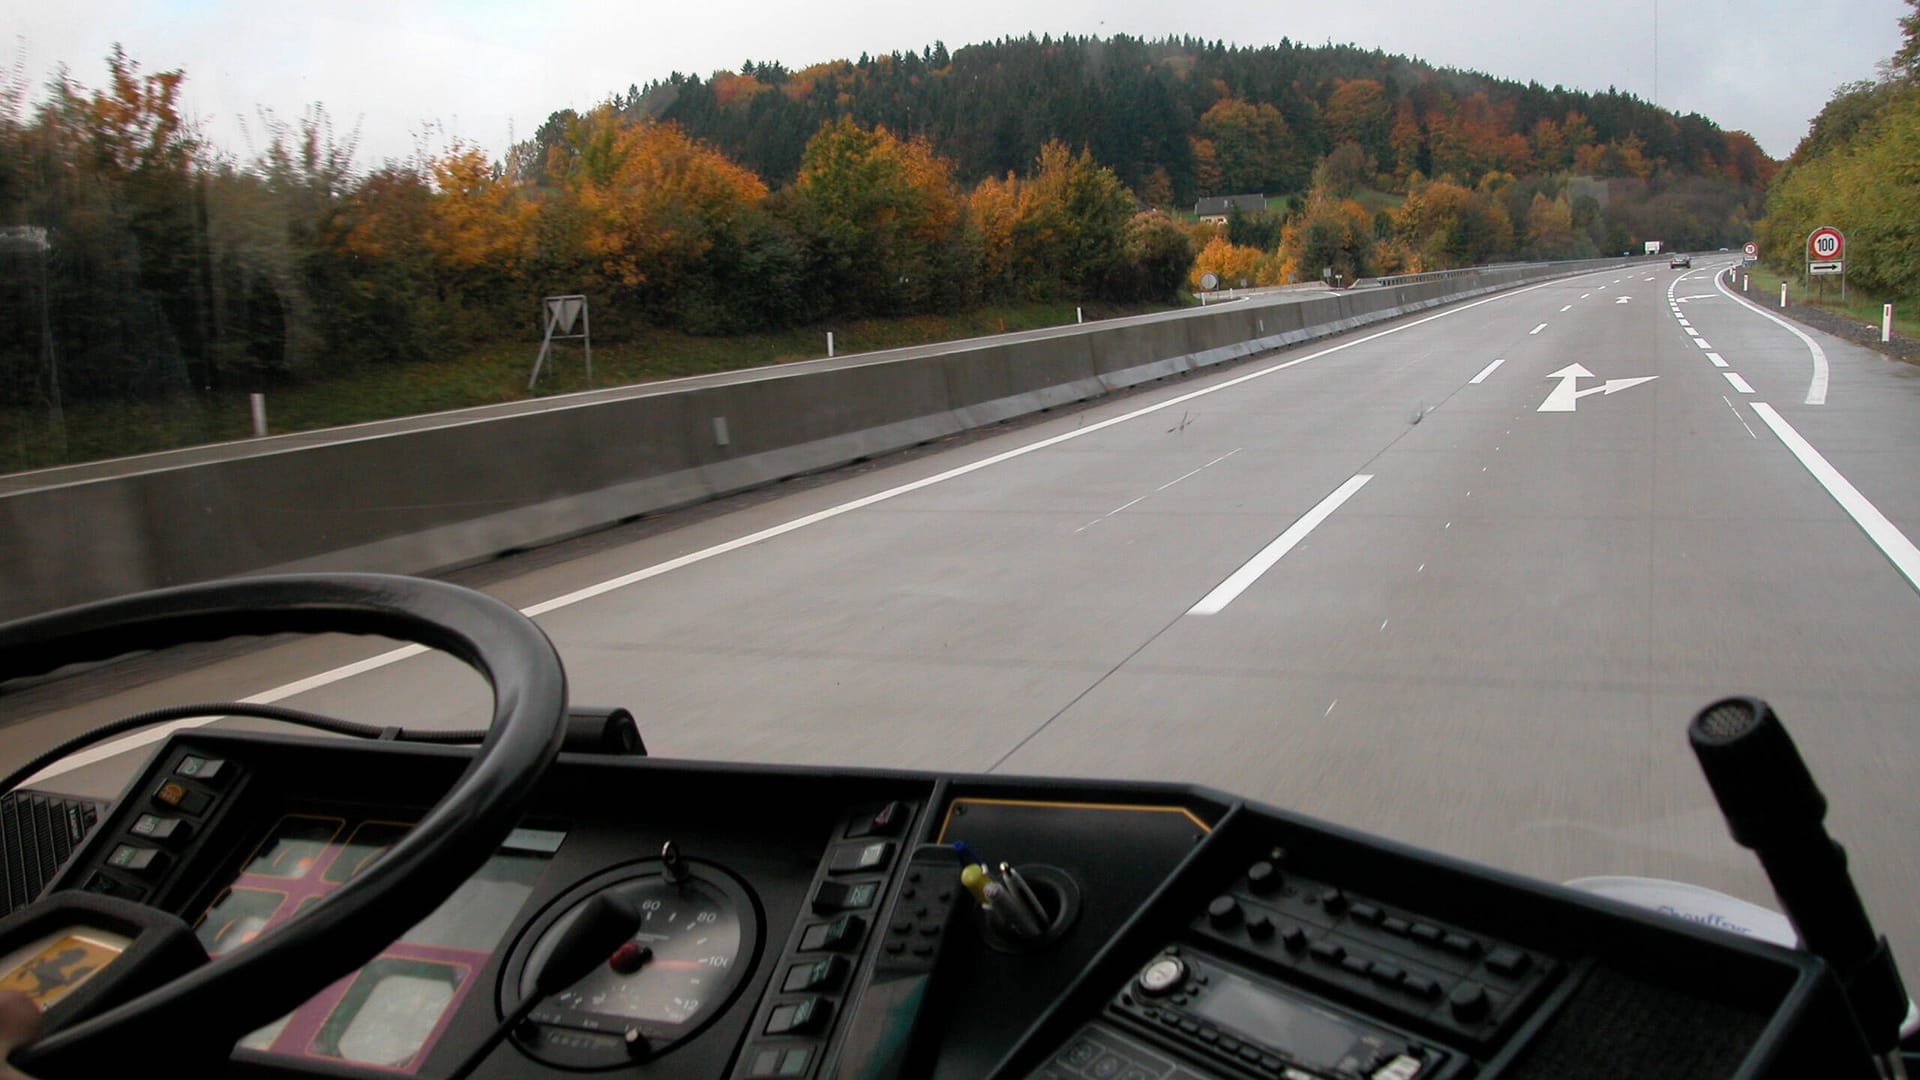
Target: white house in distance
pixel 1215 208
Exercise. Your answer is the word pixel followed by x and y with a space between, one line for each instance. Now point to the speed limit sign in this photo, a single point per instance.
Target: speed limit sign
pixel 1751 248
pixel 1826 244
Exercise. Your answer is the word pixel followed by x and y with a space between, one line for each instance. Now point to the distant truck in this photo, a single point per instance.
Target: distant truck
pixel 1653 247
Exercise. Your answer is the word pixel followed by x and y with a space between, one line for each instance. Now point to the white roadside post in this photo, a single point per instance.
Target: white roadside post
pixel 1886 322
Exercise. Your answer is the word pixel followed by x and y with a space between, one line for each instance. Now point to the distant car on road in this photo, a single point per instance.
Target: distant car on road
pixel 1679 261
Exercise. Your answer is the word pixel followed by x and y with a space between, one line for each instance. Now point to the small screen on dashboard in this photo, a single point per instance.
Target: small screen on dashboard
pixel 396 1006
pixel 1310 1035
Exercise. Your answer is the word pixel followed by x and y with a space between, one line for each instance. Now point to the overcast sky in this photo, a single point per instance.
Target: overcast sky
pixel 490 71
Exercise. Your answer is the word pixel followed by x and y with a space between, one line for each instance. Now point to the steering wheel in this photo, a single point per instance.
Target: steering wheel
pixel 287 965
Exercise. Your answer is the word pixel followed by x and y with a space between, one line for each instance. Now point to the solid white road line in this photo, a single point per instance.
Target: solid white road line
pixel 1882 532
pixel 1817 387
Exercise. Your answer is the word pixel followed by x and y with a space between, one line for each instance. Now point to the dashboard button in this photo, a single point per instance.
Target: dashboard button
pixel 839 935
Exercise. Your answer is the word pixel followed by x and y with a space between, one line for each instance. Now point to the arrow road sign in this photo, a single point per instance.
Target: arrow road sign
pixel 1563 396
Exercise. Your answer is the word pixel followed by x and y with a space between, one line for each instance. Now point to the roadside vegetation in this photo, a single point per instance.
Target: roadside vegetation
pixel 1854 171
pixel 150 281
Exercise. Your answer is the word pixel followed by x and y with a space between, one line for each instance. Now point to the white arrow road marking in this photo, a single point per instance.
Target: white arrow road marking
pixel 1563 396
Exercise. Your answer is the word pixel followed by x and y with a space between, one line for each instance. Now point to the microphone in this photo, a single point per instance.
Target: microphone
pixel 1773 807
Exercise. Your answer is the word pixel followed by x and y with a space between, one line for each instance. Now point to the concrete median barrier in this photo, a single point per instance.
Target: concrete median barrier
pixel 428 493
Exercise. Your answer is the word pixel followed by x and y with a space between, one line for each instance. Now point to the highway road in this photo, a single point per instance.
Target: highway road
pixel 1460 580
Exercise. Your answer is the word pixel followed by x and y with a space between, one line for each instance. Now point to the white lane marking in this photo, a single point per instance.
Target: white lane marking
pixel 1330 706
pixel 1237 582
pixel 1195 472
pixel 1422 570
pixel 1161 488
pixel 1739 383
pixel 393 656
pixel 1384 622
pixel 1891 541
pixel 1691 332
pixel 1569 307
pixel 1486 371
pixel 1584 295
pixel 1717 361
pixel 1536 329
pixel 1817 388
pixel 1684 322
pixel 134 741
pixel 1737 416
pixel 1702 342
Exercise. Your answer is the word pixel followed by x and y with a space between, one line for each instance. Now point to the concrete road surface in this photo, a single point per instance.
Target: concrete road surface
pixel 1460 580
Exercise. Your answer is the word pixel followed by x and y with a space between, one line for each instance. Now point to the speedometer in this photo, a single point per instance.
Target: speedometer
pixel 669 973
pixel 697 938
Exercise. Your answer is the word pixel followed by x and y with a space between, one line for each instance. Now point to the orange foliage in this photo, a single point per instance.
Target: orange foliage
pixel 137 121
pixel 666 201
pixel 479 217
pixel 1232 263
pixel 730 89
pixel 995 209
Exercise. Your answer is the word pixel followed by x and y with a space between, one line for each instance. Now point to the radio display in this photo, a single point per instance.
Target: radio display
pixel 1309 1035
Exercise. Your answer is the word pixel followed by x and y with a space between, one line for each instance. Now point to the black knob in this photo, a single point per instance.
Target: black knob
pixel 1334 901
pixel 1263 877
pixel 1261 927
pixel 1224 912
pixel 1294 938
pixel 1469 1003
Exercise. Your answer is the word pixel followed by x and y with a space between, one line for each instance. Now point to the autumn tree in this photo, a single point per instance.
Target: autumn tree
pixel 1254 146
pixel 1445 225
pixel 882 221
pixel 1343 172
pixel 1331 234
pixel 667 211
pixel 1156 255
pixel 1059 232
pixel 1550 227
pixel 1359 111
pixel 1231 264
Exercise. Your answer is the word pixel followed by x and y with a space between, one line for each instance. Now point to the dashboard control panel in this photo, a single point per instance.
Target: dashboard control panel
pixel 840 925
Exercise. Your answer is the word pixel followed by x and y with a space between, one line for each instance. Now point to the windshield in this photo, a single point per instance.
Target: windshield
pixel 1409 418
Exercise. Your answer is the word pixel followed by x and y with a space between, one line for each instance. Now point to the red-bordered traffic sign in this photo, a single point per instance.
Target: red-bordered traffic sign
pixel 1751 248
pixel 1826 244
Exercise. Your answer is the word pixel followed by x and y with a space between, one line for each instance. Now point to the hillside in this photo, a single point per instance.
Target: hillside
pixel 1181 118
